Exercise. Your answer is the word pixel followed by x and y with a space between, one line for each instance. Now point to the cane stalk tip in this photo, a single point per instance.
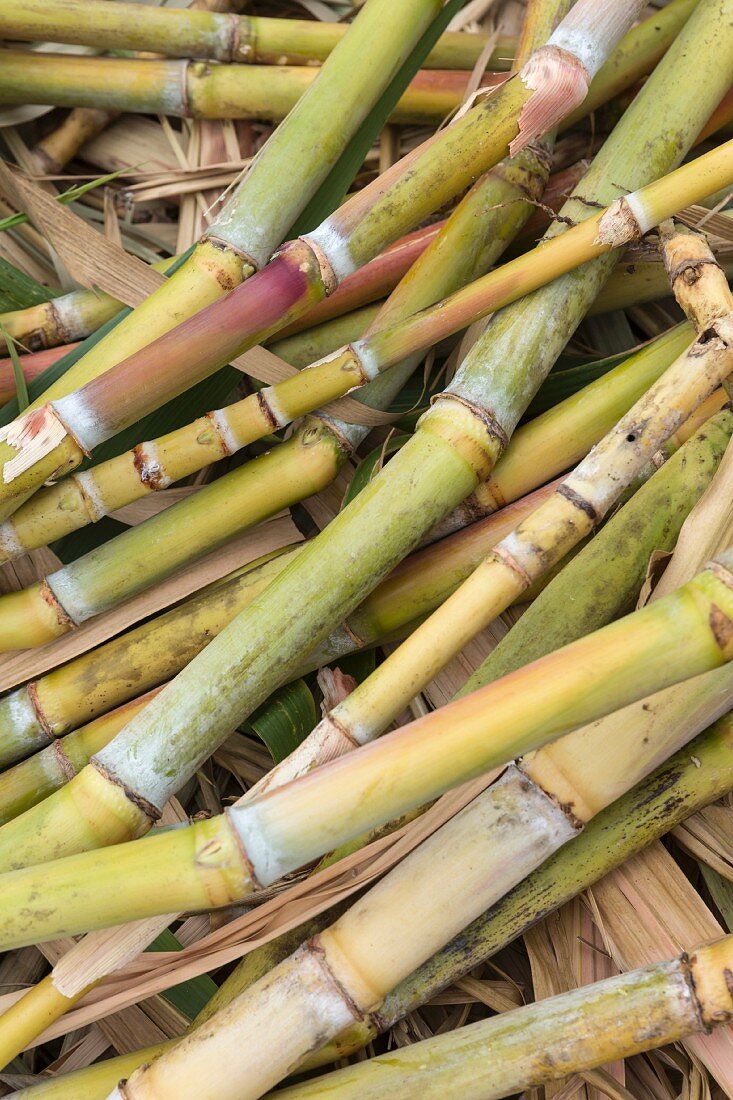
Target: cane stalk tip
pixel 559 82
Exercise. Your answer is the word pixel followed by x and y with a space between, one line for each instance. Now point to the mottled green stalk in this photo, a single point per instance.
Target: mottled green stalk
pixel 545 1041
pixel 603 580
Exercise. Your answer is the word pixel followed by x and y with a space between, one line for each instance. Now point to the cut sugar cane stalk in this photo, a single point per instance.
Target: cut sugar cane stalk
pixel 260 212
pixel 80 312
pixel 547 1041
pixel 256 843
pixel 556 439
pixel 92 414
pixel 40 713
pixel 90 585
pixel 306 270
pixel 576 506
pixel 697 775
pixel 178 32
pixel 443 266
pixel 633 58
pixel 364 951
pixel 187 89
pixel 538 450
pixel 149 654
pixel 465 247
pixel 436 469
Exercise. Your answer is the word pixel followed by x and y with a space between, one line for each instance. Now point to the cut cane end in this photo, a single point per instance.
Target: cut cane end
pixel 33 436
pixel 559 83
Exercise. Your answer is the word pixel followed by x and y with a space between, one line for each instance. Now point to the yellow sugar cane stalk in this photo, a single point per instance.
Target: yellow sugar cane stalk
pixel 553 81
pixel 542 540
pixel 258 215
pixel 181 32
pixel 220 861
pixel 53 152
pixel 158 463
pixel 697 775
pixel 547 1041
pixel 445 459
pixel 196 89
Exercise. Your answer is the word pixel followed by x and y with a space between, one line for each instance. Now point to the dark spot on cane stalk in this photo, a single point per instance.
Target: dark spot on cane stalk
pixel 721 626
pixel 728 979
pixel 150 473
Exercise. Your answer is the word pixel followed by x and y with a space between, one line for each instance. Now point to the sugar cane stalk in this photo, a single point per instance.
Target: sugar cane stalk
pixel 75 315
pixel 575 508
pixel 449 260
pixel 225 37
pixel 262 209
pixel 306 270
pixel 510 828
pixel 196 89
pixel 29 782
pixel 546 1041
